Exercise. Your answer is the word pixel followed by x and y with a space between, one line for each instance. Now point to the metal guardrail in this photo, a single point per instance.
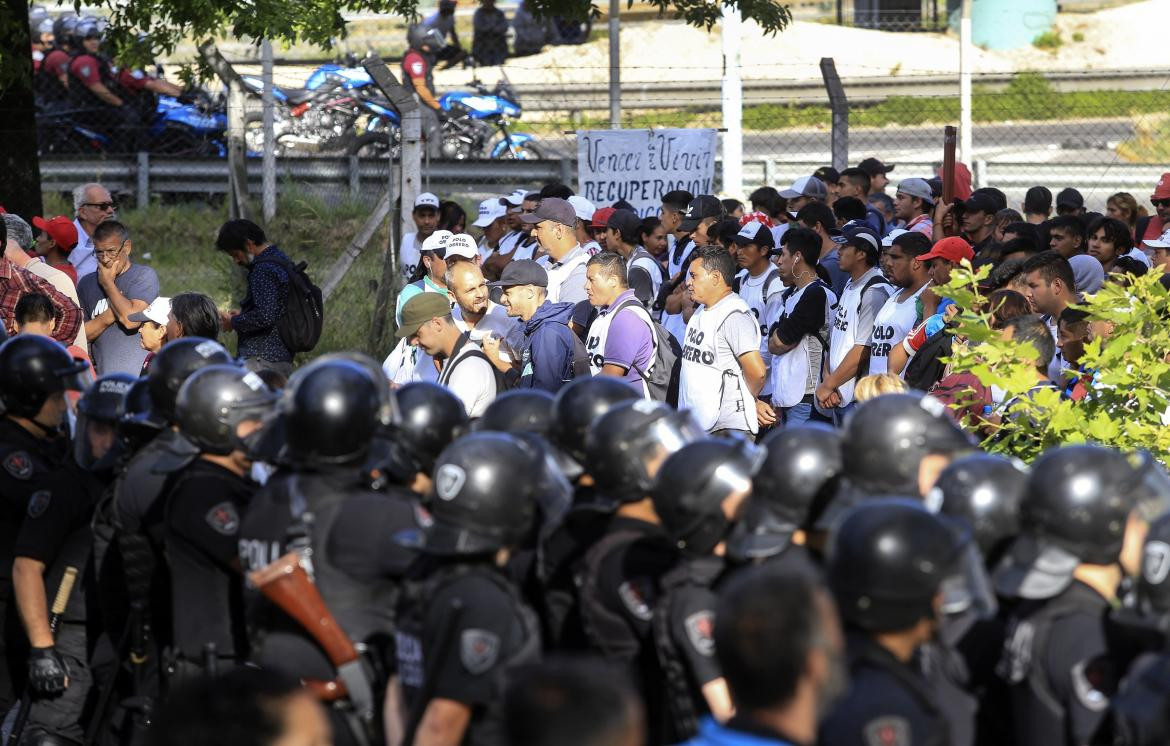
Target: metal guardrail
pixel 708 93
pixel 342 177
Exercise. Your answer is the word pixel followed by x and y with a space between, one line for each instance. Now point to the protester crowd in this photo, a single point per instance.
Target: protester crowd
pixel 620 480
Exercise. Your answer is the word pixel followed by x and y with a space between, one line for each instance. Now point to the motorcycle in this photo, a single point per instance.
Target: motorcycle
pixel 307 120
pixel 179 128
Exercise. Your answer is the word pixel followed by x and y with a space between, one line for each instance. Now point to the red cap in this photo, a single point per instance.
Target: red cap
pixel 61 229
pixel 953 249
pixel 601 217
pixel 1162 188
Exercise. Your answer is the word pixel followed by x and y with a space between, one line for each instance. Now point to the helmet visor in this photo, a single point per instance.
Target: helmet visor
pixel 661 438
pixel 96 443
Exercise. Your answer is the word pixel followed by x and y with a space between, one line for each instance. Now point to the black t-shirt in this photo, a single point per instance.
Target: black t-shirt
pixel 26 463
pixel 202 520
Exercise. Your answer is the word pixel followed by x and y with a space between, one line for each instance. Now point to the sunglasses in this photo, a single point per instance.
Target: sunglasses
pixel 1160 202
pixel 101 205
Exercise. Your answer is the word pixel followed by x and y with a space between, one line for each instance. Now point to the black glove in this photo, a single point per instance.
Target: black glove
pixel 47 671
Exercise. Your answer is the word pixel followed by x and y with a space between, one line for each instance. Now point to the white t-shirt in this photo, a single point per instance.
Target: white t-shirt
pixel 473 381
pixel 496 322
pixel 890 327
pixel 756 292
pixel 853 323
pixel 409 256
pixel 711 382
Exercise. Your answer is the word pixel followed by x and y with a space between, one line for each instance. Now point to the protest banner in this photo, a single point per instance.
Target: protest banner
pixel 639 166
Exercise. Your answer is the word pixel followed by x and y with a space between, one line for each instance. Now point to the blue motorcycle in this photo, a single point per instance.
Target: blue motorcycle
pixel 178 128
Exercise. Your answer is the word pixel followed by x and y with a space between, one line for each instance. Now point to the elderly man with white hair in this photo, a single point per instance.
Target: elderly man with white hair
pixel 92 204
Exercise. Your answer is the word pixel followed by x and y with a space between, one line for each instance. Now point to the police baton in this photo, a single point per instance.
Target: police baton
pixel 60 601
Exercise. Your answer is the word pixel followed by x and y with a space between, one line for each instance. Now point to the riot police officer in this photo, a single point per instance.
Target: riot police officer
pixel 1082 525
pixel 799 475
pixel 463 624
pixel 35 372
pixel 984 491
pixel 56 535
pixel 578 404
pixel 430 417
pixel 321 507
pixel 218 408
pixel 895 444
pixel 698 494
pixel 886 565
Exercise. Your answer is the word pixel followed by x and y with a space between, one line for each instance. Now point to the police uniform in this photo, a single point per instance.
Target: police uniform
pixel 357 566
pixel 1057 662
pixel 461 626
pixel 684 625
pixel 889 703
pixel 558 556
pixel 26 463
pixel 203 506
pixel 56 532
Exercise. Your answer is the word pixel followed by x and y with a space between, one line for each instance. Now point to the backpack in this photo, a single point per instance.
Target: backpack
pixel 926 368
pixel 663 377
pixel 580 365
pixel 304 310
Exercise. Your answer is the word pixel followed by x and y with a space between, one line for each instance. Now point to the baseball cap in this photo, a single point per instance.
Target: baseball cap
pixel 757 233
pixel 157 311
pixel 515 199
pixel 1034 569
pixel 828 174
pixel 1162 188
pixel 554 209
pixel 419 310
pixel 462 245
pixel 426 199
pixel 522 272
pixel 59 228
pixel 864 238
pixel 1069 197
pixel 806 186
pixel 953 249
pixel 489 210
pixel 916 188
pixel 888 240
pixel 624 221
pixel 873 167
pixel 583 207
pixel 437 242
pixel 601 217
pixel 701 207
pixel 1161 242
pixel 980 202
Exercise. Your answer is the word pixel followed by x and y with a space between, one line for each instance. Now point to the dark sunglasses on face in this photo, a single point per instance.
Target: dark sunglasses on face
pixel 1161 202
pixel 101 205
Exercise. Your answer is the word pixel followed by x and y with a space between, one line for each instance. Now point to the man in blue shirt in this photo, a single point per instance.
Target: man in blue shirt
pixel 781 651
pixel 255 324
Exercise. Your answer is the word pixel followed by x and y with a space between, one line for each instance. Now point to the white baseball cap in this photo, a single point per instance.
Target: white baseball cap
pixel 1161 242
pixel 437 241
pixel 462 245
pixel 426 199
pixel 158 311
pixel 889 239
pixel 489 210
pixel 515 199
pixel 583 207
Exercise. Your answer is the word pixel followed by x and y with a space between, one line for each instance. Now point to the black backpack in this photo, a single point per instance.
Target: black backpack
pixel 304 309
pixel 662 380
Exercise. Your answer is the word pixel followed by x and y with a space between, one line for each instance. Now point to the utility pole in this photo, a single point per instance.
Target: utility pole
pixel 966 60
pixel 615 65
pixel 732 104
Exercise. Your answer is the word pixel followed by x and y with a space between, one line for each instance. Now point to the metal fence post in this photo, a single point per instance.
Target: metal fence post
pixel 269 164
pixel 355 176
pixel 143 179
pixel 840 108
pixel 966 60
pixel 732 104
pixel 237 161
pixel 979 174
pixel 615 72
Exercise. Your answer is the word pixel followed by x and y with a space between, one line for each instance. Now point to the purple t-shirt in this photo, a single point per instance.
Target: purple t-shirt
pixel 629 342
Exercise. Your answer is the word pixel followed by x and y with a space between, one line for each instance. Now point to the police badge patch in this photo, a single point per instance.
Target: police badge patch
pixel 700 628
pixel 887 731
pixel 38 503
pixel 478 650
pixel 223 518
pixel 19 464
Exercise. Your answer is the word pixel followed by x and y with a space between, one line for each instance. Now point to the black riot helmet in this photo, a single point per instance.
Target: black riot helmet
pixel 420 35
pixel 96 445
pixel 63 29
pixel 331 413
pixel 431 417
pixel 33 368
pixel 578 404
pixel 1153 585
pixel 693 484
pixel 171 366
pixel 387 413
pixel 478 503
pixel 985 491
pixel 626 446
pixel 519 411
pixel 887 437
pixel 215 400
pixel 138 423
pixel 888 561
pixel 1076 509
pixel 799 474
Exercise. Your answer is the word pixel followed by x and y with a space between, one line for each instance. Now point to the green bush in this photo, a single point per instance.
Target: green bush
pixel 1128 403
pixel 1048 40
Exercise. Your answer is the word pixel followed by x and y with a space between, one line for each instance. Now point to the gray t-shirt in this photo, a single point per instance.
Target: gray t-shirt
pixel 118 348
pixel 740 333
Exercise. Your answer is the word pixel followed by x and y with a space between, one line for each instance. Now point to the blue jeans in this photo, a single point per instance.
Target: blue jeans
pixel 840 413
pixel 798 414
